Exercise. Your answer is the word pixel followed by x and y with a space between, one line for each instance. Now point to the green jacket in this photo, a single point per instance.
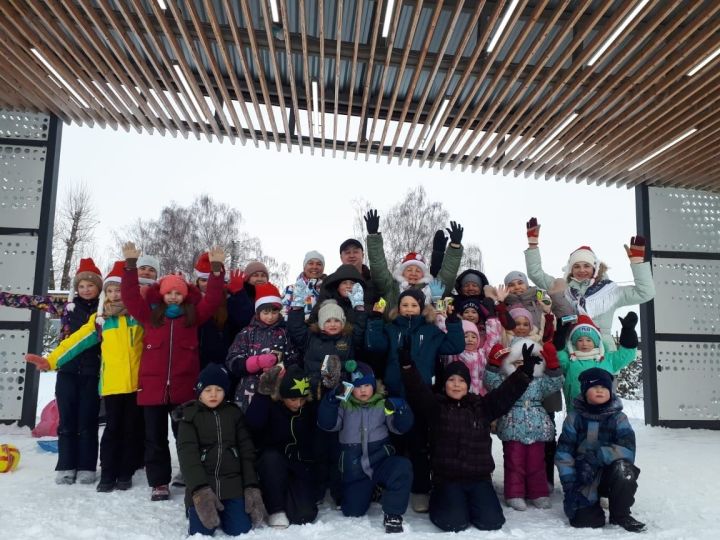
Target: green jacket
pixel 215 449
pixel 387 285
pixel 626 295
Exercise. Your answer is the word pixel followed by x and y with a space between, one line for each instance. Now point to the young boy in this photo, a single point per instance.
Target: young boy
pixel 217 460
pixel 595 456
pixel 364 421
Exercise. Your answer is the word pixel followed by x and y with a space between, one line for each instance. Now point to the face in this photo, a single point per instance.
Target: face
pixel 413 274
pixel 597 395
pixel 456 387
pixel 212 396
pixel 408 307
pixel 257 278
pixel 363 392
pixel 471 341
pixel 582 271
pixel 332 327
pixel 202 284
pixel 147 272
pixel 352 255
pixel 522 327
pixel 470 288
pixel 470 314
pixel 584 344
pixel 313 269
pixel 345 287
pixel 112 293
pixel 173 297
pixel 517 286
pixel 269 315
pixel 87 290
pixel 294 404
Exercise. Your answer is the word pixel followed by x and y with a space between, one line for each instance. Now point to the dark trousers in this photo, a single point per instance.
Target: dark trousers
pixel 550 447
pixel 287 486
pixel 415 445
pixel 121 438
pixel 327 449
pixel 618 482
pixel 78 405
pixel 457 505
pixel 394 475
pixel 158 467
pixel 233 519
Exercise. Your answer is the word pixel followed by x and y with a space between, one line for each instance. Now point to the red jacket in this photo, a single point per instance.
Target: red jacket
pixel 170 362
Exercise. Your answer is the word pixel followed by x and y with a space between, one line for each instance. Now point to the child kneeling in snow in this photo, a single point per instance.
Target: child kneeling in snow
pixel 217 460
pixel 595 456
pixel 364 421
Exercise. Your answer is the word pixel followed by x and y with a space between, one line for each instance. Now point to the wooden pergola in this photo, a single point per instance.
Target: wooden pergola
pixel 616 92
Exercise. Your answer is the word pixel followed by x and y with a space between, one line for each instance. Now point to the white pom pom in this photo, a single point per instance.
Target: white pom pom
pixel 71 306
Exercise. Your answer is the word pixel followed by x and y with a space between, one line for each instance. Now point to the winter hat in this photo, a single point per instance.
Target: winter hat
pixel 172 282
pixel 483 280
pixel 213 374
pixel 202 266
pixel 519 311
pixel 585 327
pixel 310 255
pixel 330 309
pixel 294 383
pixel 467 326
pixel 255 266
pixel 595 377
pixel 87 270
pixel 515 274
pixel 472 302
pixel 267 293
pixel 351 242
pixel 581 254
pixel 417 294
pixel 456 368
pixel 413 259
pixel 472 277
pixel 360 373
pixel 149 260
pixel 114 276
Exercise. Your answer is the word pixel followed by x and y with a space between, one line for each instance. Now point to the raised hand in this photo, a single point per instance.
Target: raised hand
pixel 533 231
pixel 529 360
pixel 372 222
pixel 216 254
pixel 437 288
pixel 237 282
pixel 502 292
pixel 636 250
pixel 439 241
pixel 129 251
pixel 456 233
pixel 299 294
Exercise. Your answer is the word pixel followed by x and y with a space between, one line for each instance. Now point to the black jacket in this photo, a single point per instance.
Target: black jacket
pixel 88 361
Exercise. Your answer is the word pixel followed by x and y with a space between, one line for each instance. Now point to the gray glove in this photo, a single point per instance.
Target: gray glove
pixel 254 505
pixel 207 506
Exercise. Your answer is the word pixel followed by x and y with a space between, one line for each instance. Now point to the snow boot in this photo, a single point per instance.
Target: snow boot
pixel 628 523
pixel 516 503
pixel 420 502
pixel 105 486
pixel 541 502
pixel 65 477
pixel 160 493
pixel 86 477
pixel 393 523
pixel 178 480
pixel 123 484
pixel 278 520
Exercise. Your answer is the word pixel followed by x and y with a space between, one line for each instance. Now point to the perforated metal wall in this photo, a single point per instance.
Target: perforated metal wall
pixel 23 171
pixel 13 347
pixel 24 125
pixel 17 268
pixel 684 220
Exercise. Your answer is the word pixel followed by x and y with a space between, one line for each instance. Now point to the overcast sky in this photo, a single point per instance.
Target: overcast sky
pixel 295 203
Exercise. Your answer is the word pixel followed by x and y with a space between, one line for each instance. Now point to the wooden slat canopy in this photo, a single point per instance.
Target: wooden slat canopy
pixel 616 92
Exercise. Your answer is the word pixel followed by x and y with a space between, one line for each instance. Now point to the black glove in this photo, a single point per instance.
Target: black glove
pixel 456 233
pixel 487 308
pixel 438 252
pixel 439 241
pixel 561 334
pixel 372 222
pixel 628 335
pixel 529 360
pixel 404 356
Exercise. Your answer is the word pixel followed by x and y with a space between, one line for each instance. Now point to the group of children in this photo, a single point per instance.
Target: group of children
pixel 369 384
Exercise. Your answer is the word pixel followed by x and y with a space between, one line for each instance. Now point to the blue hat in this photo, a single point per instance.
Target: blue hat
pixel 213 374
pixel 360 373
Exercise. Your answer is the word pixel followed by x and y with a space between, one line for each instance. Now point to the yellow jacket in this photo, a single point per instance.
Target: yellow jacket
pixel 121 346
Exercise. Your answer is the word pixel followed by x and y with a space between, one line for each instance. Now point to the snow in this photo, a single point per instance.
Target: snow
pixel 677 498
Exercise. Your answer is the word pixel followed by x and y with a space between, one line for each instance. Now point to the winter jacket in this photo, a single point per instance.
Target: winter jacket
pixel 460 443
pixel 388 286
pixel 427 342
pixel 598 303
pixel 329 291
pixel 72 315
pixel 314 345
pixel 592 437
pixel 276 427
pixel 527 421
pixel 241 309
pixel 121 346
pixel 364 431
pixel 215 449
pixel 612 362
pixel 314 285
pixel 170 363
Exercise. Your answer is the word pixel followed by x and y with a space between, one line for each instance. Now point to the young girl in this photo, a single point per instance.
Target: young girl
pixel 217 460
pixel 527 426
pixel 170 314
pixel 337 286
pixel 476 352
pixel 120 338
pixel 76 385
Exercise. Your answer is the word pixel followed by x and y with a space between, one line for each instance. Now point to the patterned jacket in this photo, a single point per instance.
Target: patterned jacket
pixel 310 301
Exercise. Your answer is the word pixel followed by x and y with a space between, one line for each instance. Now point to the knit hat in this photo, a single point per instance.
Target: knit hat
pixel 173 282
pixel 471 277
pixel 472 302
pixel 267 293
pixel 213 374
pixel 115 277
pixel 310 255
pixel 360 373
pixel 149 260
pixel 87 270
pixel 351 242
pixel 581 254
pixel 294 383
pixel 412 259
pixel 478 277
pixel 330 309
pixel 457 367
pixel 202 266
pixel 515 274
pixel 468 326
pixel 595 377
pixel 255 266
pixel 585 327
pixel 519 311
pixel 417 294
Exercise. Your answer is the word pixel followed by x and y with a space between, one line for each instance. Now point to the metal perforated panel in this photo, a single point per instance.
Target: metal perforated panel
pixel 13 347
pixel 18 255
pixel 24 125
pixel 22 169
pixel 688 380
pixel 684 220
pixel 687 298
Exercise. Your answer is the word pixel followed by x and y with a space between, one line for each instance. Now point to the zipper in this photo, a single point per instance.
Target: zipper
pixel 219 459
pixel 292 432
pixel 170 348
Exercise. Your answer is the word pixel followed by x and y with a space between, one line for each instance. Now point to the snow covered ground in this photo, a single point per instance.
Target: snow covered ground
pixel 678 498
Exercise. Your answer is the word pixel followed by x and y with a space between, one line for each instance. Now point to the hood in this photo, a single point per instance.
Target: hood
pixel 483 280
pixel 343 272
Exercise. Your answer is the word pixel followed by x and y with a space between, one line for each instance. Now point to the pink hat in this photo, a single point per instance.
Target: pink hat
pixel 171 282
pixel 468 326
pixel 519 311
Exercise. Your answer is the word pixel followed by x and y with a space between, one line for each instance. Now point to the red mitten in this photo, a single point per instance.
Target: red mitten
pixel 533 231
pixel 497 355
pixel 549 353
pixel 636 250
pixel 236 281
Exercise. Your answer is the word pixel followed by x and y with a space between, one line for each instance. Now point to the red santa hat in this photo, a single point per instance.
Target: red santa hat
pixel 413 259
pixel 202 266
pixel 114 276
pixel 87 271
pixel 267 293
pixel 582 254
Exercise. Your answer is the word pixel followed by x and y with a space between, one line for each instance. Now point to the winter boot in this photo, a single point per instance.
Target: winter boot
pixel 178 480
pixel 123 484
pixel 278 520
pixel 160 493
pixel 393 523
pixel 541 502
pixel 65 477
pixel 105 486
pixel 86 477
pixel 420 502
pixel 516 503
pixel 628 523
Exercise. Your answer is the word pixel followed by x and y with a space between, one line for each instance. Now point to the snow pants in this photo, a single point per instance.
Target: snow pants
pixel 78 405
pixel 233 519
pixel 121 438
pixel 287 486
pixel 525 475
pixel 158 466
pixel 457 505
pixel 394 474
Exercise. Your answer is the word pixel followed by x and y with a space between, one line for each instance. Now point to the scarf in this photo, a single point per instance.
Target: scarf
pixel 598 298
pixel 173 311
pixel 594 354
